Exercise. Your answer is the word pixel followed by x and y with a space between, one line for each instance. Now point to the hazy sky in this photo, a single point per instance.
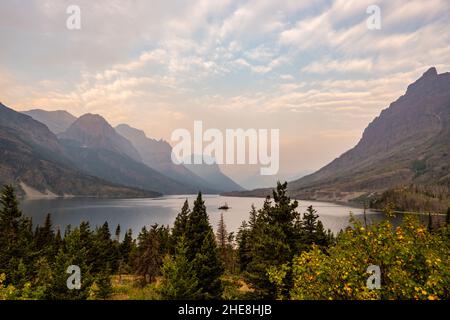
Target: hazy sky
pixel 309 68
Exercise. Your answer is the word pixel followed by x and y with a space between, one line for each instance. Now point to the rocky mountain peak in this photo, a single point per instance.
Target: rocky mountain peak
pixel 93 131
pixel 425 82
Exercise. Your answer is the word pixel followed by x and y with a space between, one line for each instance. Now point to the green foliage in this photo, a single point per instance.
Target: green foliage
pixel 273 236
pixel 126 247
pixel 281 254
pixel 101 287
pixel 179 280
pixel 414 264
pixel 418 167
pixel 244 246
pixel 180 225
pixel 202 251
pixel 225 245
pixel 152 247
pixel 414 198
pixel 312 231
pixel 35 264
pixel 16 239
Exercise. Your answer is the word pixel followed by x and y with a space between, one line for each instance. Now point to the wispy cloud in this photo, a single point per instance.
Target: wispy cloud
pixel 162 64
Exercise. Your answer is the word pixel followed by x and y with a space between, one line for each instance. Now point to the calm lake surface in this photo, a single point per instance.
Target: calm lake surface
pixel 136 213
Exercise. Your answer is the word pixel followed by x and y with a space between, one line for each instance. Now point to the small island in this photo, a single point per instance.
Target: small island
pixel 224 206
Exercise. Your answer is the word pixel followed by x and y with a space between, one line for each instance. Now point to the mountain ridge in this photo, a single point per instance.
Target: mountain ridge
pixel 157 155
pixel 31 154
pixel 57 121
pixel 409 142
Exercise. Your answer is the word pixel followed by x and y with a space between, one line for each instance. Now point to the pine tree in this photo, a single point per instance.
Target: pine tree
pixel 179 226
pixel 222 238
pixel 16 238
pixel 202 251
pixel 430 223
pixel 102 250
pixel 126 246
pixel 197 227
pixel 101 288
pixel 58 240
pixel 44 239
pixel 43 279
pixel 149 255
pixel 253 217
pixel 75 251
pixel 208 268
pixel 312 229
pixel 273 240
pixel 244 254
pixel 179 281
pixel 117 233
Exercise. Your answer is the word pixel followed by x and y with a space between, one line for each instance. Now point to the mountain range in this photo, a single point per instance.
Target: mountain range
pixel 88 150
pixel 157 155
pixel 408 143
pixel 33 159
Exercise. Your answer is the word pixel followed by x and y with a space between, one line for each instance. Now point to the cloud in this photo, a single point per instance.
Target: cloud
pixel 348 66
pixel 162 64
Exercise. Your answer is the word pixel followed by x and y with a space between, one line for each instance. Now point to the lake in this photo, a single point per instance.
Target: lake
pixel 136 213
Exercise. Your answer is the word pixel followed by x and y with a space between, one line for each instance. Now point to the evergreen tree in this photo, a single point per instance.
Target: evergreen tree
pixel 179 281
pixel 222 239
pixel 209 268
pixel 149 255
pixel 179 226
pixel 244 248
pixel 102 251
pixel 16 239
pixel 58 240
pixel 274 240
pixel 117 233
pixel 253 217
pixel 101 288
pixel 197 227
pixel 44 239
pixel 43 279
pixel 312 229
pixel 126 246
pixel 430 223
pixel 202 251
pixel 75 251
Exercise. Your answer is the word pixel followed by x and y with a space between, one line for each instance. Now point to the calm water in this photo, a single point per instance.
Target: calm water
pixel 136 213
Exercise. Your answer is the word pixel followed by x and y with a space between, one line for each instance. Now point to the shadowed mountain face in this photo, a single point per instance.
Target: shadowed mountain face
pixel 157 155
pixel 96 148
pixel 31 156
pixel 56 121
pixel 94 132
pixel 409 142
pixel 154 153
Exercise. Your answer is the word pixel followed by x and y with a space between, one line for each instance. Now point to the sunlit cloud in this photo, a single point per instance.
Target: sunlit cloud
pixel 160 65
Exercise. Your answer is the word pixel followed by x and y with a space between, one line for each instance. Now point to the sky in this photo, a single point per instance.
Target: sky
pixel 312 69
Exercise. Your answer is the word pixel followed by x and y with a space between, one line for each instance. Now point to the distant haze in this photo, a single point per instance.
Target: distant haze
pixel 309 68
